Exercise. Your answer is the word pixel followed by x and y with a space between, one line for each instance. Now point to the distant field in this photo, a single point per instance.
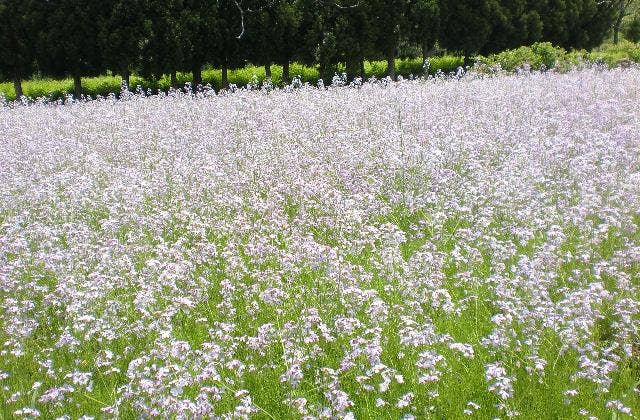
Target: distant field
pixel 425 249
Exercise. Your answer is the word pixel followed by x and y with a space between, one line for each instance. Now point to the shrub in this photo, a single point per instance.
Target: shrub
pixel 545 54
pixel 535 56
pixel 631 29
pixel 614 55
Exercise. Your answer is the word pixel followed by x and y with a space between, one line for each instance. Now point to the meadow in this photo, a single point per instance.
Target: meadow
pixel 445 248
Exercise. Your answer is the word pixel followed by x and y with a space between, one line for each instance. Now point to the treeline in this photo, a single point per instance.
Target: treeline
pixel 152 38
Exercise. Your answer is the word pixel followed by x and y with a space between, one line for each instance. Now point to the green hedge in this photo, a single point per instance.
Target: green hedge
pixel 105 85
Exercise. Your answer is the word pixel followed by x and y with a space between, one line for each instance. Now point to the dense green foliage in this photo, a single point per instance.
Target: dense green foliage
pixel 632 29
pixel 156 38
pixel 18 19
pixel 545 55
pixel 69 43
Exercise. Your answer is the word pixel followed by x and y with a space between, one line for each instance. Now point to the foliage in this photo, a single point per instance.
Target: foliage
pixel 19 20
pixel 535 56
pixel 579 24
pixel 632 29
pixel 614 55
pixel 69 41
pixel 545 55
pixel 163 47
pixel 467 25
pixel 121 34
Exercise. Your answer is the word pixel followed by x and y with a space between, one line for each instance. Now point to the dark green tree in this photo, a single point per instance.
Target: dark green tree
pixel 356 35
pixel 19 22
pixel 317 40
pixel 337 31
pixel 290 41
pixel 632 29
pixel 271 34
pixel 162 51
pixel 575 23
pixel 466 25
pixel 391 23
pixel 424 25
pixel 228 30
pixel 69 43
pixel 197 34
pixel 121 33
pixel 514 24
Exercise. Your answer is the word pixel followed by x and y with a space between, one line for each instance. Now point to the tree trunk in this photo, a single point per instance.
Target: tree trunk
pixel 225 76
pixel 352 68
pixel 286 77
pixel 174 79
pixel 391 64
pixel 126 77
pixel 17 85
pixel 197 77
pixel 77 85
pixel 617 25
pixel 267 70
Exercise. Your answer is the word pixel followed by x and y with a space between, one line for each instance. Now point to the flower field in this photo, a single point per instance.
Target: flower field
pixel 447 248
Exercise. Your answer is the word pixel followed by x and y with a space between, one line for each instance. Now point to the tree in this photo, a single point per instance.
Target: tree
pixel 229 29
pixel 466 25
pixel 391 22
pixel 18 29
pixel 632 29
pixel 69 43
pixel 424 25
pixel 197 27
pixel 289 45
pixel 271 34
pixel 356 35
pixel 121 32
pixel 337 31
pixel 622 9
pixel 317 44
pixel 514 24
pixel 161 49
pixel 575 23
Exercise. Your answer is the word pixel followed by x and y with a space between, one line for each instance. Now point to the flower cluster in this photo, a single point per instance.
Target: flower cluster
pixel 443 247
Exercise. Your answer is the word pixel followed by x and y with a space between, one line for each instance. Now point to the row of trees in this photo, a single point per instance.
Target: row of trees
pixel 159 37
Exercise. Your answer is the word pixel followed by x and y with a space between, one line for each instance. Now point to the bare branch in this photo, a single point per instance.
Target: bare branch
pixel 241 18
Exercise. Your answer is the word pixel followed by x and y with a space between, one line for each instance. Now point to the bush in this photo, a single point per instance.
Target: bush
pixel 631 30
pixel 535 56
pixel 544 55
pixel 614 55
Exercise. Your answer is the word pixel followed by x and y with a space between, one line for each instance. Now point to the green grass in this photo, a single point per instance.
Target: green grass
pixel 462 381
